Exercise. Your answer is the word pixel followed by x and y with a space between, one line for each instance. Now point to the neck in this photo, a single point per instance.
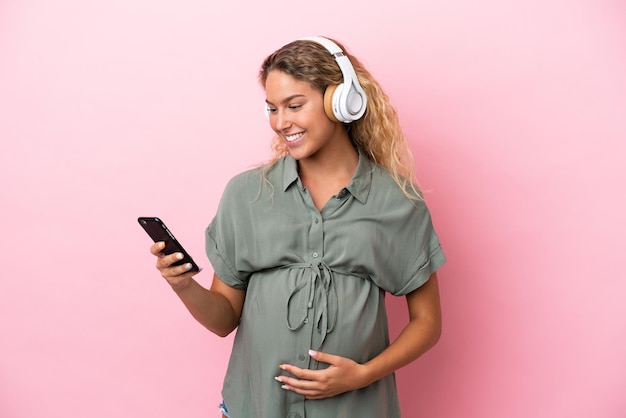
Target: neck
pixel 325 175
pixel 336 162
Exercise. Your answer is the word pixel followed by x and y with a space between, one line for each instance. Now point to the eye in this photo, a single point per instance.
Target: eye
pixel 295 106
pixel 271 109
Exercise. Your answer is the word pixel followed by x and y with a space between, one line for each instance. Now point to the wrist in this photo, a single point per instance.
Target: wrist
pixel 367 375
pixel 180 284
pixel 374 370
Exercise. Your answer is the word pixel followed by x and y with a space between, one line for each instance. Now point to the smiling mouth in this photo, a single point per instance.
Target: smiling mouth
pixel 294 137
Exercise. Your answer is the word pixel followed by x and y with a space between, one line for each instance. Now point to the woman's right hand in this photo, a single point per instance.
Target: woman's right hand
pixel 178 277
pixel 218 309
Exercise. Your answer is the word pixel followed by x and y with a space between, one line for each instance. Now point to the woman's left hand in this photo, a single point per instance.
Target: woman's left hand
pixel 342 375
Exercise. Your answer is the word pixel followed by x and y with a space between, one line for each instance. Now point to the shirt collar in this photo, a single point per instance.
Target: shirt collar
pixel 359 185
pixel 290 171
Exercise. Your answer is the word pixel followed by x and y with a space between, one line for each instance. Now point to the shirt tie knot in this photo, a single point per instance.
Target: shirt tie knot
pixel 317 287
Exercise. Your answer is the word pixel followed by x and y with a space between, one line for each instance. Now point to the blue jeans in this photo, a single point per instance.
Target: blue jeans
pixel 224 410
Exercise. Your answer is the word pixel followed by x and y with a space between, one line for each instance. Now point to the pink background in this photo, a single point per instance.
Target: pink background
pixel 111 110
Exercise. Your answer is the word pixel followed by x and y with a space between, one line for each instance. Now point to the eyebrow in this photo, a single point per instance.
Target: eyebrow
pixel 287 99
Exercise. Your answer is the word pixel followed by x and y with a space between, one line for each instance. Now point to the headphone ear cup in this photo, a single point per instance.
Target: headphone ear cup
pixel 343 106
pixel 354 103
pixel 329 102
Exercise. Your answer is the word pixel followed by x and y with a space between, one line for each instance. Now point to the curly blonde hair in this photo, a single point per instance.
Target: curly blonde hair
pixel 377 134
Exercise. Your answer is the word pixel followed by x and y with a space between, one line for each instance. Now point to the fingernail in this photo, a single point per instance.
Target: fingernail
pixel 161 244
pixel 187 266
pixel 312 353
pixel 282 366
pixel 285 387
pixel 179 256
pixel 278 379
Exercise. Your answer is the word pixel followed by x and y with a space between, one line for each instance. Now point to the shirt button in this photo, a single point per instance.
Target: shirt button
pixel 317 220
pixel 315 255
pixel 302 357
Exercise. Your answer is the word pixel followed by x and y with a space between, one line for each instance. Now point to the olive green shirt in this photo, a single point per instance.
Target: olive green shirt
pixel 315 280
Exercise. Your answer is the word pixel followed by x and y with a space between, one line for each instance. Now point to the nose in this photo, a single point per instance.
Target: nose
pixel 281 121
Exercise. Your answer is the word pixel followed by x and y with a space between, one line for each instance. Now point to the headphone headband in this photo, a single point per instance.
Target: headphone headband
pixel 332 47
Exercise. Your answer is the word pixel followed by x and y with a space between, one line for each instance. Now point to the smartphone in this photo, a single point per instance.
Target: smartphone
pixel 159 232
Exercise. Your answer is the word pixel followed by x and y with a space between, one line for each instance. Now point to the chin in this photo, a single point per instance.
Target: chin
pixel 297 153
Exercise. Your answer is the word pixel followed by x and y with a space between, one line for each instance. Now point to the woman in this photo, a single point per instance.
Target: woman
pixel 305 247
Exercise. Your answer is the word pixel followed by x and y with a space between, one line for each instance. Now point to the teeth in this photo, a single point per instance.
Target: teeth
pixel 291 138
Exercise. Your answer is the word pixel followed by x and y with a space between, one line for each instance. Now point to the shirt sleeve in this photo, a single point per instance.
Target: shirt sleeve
pixel 225 237
pixel 412 248
pixel 428 258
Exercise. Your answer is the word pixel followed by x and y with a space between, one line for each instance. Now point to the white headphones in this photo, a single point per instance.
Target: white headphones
pixel 345 102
